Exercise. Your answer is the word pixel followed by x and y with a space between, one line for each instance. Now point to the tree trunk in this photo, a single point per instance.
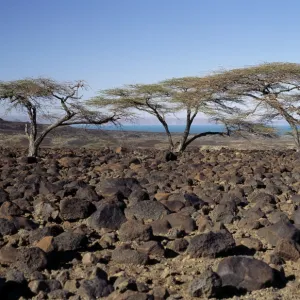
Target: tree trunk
pixel 33 147
pixel 183 141
pixel 182 144
pixel 169 135
pixel 171 145
pixel 296 136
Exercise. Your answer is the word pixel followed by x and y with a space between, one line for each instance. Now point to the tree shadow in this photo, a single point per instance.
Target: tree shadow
pixel 239 250
pixel 169 253
pixel 227 292
pixel 13 291
pixel 59 260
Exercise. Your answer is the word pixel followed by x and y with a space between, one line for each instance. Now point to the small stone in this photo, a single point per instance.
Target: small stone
pixel 162 196
pixel 15 276
pixel 108 215
pixel 71 285
pixel 210 244
pixel 75 209
pixel 208 284
pixel 287 249
pixel 280 230
pixel 31 259
pixel 178 245
pixel 47 286
pixel 69 241
pixel 46 244
pixel 8 255
pixel 135 231
pixel 59 295
pixel 129 256
pixel 94 289
pixel 151 248
pixel 123 283
pixel 89 259
pixel 146 210
pixel 7 227
pixel 160 292
pixel 252 243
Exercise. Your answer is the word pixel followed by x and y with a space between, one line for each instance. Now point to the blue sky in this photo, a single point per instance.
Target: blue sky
pixel 113 42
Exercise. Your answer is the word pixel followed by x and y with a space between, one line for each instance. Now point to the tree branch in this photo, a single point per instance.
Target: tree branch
pixel 202 135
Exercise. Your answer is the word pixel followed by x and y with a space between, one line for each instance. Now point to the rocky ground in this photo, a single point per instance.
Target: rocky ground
pixel 144 224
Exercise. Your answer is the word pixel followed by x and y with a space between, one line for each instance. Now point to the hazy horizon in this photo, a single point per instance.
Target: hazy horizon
pixel 138 122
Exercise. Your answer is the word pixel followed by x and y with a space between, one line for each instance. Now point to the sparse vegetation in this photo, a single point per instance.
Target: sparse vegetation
pixel 272 90
pixel 57 102
pixel 243 100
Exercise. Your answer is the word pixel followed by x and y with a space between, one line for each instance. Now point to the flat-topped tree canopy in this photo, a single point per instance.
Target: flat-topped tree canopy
pixel 263 78
pixel 190 94
pixel 144 97
pixel 272 88
pixel 201 94
pixel 239 125
pixel 57 102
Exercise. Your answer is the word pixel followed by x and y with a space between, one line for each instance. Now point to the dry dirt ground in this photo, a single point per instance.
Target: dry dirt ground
pixel 12 134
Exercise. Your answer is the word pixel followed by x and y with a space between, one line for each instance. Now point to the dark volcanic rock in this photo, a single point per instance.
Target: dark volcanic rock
pixel 210 244
pixel 123 185
pixel 8 255
pixel 59 295
pixel 246 273
pixel 173 205
pixel 47 187
pixel 192 199
pixel 135 231
pixel 39 233
pixel 75 209
pixel 208 284
pixel 288 250
pixel 138 195
pixel 151 223
pixel 151 248
pixel 224 212
pixel 280 230
pixel 122 255
pixel 69 241
pixel 10 209
pixel 296 216
pixel 108 215
pixel 7 227
pixel 123 283
pixel 94 289
pixel 160 227
pixel 181 221
pixel 3 196
pixel 87 194
pixel 44 285
pixel 30 260
pixel 170 156
pixel 178 245
pixel 15 276
pixel 146 210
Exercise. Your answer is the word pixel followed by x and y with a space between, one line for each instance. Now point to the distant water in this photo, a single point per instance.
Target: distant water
pixel 282 129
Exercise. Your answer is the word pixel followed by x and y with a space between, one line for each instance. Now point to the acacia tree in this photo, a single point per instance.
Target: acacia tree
pixel 190 94
pixel 274 91
pixel 42 97
pixel 241 126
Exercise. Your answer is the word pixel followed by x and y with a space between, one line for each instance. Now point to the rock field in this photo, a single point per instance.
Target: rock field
pixel 121 224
